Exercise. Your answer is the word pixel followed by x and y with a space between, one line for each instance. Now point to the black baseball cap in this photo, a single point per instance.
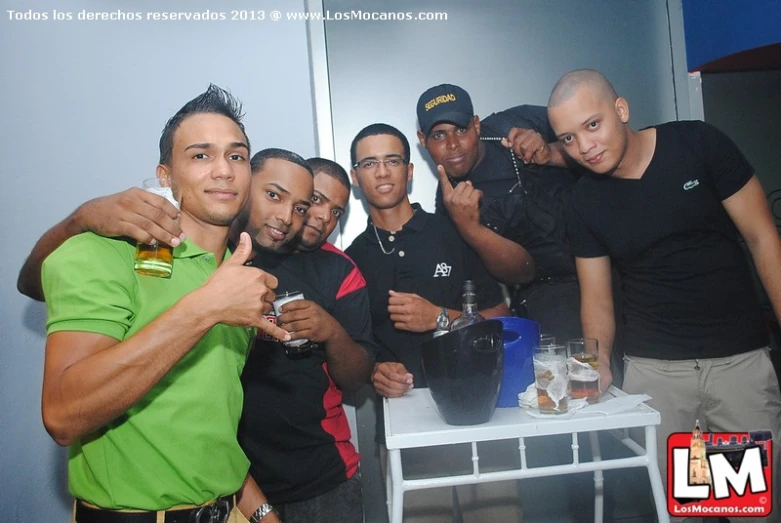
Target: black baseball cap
pixel 444 103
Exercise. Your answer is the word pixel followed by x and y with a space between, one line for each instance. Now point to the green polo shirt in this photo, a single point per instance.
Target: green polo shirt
pixel 178 444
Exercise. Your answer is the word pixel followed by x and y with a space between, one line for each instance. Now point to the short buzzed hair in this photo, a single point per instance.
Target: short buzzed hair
pixel 569 84
pixel 261 157
pixel 330 168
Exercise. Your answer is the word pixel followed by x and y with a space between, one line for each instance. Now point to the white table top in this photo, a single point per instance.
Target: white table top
pixel 414 421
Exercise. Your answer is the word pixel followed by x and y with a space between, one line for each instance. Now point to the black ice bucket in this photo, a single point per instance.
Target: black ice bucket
pixel 463 369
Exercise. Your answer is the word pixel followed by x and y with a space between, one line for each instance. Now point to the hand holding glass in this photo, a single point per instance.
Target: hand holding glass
pixel 583 365
pixel 156 260
pixel 295 346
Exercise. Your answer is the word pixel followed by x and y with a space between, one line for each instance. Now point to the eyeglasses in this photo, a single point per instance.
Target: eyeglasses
pixel 371 164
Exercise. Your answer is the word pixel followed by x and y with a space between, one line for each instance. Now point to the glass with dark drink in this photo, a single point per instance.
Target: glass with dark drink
pixel 583 368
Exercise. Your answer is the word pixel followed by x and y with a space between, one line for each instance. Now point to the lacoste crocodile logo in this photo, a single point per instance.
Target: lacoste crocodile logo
pixel 691 184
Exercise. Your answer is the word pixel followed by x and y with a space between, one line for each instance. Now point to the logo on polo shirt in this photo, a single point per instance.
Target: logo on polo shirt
pixel 442 269
pixel 691 184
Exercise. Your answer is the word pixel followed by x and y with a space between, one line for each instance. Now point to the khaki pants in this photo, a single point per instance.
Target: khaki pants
pixel 731 394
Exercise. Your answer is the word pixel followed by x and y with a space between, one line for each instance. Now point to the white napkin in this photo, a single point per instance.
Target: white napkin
pixel 528 400
pixel 616 404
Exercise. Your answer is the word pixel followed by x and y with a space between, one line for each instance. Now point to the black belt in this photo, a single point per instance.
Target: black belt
pixel 216 512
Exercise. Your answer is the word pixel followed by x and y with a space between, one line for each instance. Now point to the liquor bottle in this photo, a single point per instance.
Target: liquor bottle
pixel 469 314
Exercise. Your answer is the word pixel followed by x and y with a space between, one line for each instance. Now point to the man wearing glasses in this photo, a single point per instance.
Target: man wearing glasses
pixel 414 262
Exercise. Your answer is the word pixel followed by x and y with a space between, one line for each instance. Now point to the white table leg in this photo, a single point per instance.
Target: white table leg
pixel 388 485
pixel 397 490
pixel 657 487
pixel 599 480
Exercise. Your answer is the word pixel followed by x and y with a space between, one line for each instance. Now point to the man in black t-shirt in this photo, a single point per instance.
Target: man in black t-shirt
pixel 294 428
pixel 510 210
pixel 665 205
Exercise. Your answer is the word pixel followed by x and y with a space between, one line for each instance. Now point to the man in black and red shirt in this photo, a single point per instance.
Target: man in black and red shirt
pixel 294 428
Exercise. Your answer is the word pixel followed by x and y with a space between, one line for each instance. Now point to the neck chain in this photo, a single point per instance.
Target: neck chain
pixel 382 247
pixel 512 157
pixel 377 235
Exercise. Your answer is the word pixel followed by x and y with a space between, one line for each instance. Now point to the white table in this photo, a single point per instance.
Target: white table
pixel 413 421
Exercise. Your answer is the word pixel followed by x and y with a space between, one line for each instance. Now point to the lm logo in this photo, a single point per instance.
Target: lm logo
pixel 442 269
pixel 712 474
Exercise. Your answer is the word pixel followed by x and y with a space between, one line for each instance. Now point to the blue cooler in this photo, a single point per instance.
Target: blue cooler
pixel 520 337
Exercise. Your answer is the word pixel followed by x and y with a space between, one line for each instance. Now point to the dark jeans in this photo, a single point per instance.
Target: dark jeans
pixel 344 504
pixel 555 305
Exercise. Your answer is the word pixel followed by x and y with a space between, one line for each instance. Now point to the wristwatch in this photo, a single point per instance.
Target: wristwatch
pixel 443 320
pixel 264 510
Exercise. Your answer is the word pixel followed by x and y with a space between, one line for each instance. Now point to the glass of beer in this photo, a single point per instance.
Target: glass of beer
pixel 550 378
pixel 583 367
pixel 156 260
pixel 293 347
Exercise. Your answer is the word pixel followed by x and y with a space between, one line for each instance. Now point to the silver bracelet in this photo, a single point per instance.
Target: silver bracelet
pixel 264 510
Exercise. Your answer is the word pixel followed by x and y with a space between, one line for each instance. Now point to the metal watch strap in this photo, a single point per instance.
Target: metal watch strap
pixel 264 510
pixel 443 320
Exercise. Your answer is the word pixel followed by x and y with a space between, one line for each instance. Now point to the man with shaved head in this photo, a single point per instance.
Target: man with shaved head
pixel 666 206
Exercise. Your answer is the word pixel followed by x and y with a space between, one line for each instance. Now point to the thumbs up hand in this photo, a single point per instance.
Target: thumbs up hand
pixel 241 295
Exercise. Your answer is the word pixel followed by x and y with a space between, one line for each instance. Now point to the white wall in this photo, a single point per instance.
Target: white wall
pixel 82 106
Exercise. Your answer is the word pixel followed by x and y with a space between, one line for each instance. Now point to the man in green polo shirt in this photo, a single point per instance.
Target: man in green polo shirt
pixel 142 374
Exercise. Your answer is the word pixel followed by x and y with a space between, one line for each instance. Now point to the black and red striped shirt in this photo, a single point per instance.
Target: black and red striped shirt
pixel 293 428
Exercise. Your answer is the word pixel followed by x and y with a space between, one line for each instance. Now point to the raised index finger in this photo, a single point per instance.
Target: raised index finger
pixel 444 181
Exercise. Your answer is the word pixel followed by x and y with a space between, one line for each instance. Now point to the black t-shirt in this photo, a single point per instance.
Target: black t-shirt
pixel 527 207
pixel 293 427
pixel 688 291
pixel 431 260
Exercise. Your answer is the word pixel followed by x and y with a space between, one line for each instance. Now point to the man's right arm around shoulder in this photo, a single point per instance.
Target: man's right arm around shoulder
pixel 91 379
pixel 134 213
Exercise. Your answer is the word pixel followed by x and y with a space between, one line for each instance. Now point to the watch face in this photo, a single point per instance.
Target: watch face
pixel 442 320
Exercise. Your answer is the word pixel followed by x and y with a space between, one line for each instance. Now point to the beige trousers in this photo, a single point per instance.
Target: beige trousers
pixel 732 394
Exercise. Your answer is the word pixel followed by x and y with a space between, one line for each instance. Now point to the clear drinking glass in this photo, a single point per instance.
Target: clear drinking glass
pixel 583 365
pixel 550 378
pixel 156 260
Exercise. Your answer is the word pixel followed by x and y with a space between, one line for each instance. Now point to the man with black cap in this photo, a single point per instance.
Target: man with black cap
pixel 507 205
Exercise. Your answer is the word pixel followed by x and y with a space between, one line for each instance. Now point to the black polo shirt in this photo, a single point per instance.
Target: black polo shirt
pixel 293 428
pixel 429 259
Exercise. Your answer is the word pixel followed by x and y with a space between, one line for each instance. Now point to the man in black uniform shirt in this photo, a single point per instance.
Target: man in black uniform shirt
pixel 511 212
pixel 294 429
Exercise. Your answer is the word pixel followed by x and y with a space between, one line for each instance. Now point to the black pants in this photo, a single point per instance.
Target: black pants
pixel 555 305
pixel 344 504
